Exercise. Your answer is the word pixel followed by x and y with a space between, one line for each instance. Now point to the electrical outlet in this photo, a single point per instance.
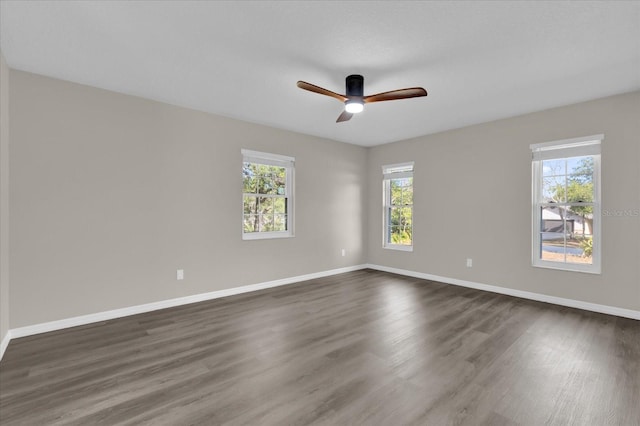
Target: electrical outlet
pixel 180 274
pixel 344 252
pixel 469 262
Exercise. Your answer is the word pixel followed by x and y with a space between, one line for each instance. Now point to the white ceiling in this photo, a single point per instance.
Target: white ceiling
pixel 479 61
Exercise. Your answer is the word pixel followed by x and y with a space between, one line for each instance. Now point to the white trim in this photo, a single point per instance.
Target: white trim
pixel 572 303
pixel 279 161
pixel 581 141
pixel 577 147
pixel 148 307
pixel 398 167
pixel 5 342
pixel 536 189
pixel 398 171
pixel 266 235
pixel 250 156
pixel 398 175
pixel 587 268
pixel 399 247
pixel 390 172
pixel 170 303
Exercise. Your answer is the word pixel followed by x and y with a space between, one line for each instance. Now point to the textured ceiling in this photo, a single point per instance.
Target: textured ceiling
pixel 479 61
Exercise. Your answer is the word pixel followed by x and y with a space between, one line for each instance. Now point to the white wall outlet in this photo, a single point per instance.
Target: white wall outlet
pixel 180 274
pixel 344 252
pixel 469 262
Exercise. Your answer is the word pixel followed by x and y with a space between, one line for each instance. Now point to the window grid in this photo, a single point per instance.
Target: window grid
pixel 267 196
pixel 566 205
pixel 398 207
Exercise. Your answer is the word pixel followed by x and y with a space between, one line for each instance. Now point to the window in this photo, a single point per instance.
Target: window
pixel 267 199
pixel 566 204
pixel 398 206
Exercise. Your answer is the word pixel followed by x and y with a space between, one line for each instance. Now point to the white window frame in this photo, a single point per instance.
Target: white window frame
pixel 394 171
pixel 264 158
pixel 567 148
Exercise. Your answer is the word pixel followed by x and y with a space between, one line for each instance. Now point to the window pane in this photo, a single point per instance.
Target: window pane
pixel 552 233
pixel 400 235
pixel 554 167
pixel 565 236
pixel 580 225
pixel 280 181
pixel 553 189
pixel 249 204
pixel 401 191
pixel 279 205
pixel 576 192
pixel 265 185
pixel 405 215
pixel 250 223
pixel 571 250
pixel 396 196
pixel 553 219
pixel 399 214
pixel 402 182
pixel 265 205
pixel 266 223
pixel 566 206
pixel 272 183
pixel 266 211
pixel 580 168
pixel 579 249
pixel 394 216
pixel 552 249
pixel 580 180
pixel 407 196
pixel 280 222
pixel 552 226
pixel 396 192
pixel 400 225
pixel 263 179
pixel 580 241
pixel 248 179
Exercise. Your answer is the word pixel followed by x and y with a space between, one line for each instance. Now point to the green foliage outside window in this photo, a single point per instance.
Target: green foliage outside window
pixel 578 188
pixel 265 199
pixel 401 211
pixel 587 246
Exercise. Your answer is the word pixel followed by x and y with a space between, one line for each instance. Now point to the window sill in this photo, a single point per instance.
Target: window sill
pixel 397 247
pixel 266 235
pixel 591 269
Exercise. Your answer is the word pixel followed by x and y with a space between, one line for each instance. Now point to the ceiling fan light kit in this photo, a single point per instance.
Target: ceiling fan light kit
pixel 354 99
pixel 354 106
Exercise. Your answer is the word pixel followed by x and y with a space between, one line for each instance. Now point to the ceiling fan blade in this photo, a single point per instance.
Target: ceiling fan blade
pixel 317 89
pixel 412 92
pixel 345 116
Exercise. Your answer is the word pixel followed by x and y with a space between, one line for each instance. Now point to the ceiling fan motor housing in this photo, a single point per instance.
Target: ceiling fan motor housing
pixel 355 85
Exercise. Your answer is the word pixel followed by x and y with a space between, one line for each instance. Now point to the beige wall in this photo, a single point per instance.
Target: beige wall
pixel 4 198
pixel 110 194
pixel 473 200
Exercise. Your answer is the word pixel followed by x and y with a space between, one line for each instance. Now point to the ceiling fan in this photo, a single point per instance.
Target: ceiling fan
pixel 354 100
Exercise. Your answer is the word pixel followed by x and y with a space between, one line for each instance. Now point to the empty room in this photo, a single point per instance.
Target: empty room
pixel 319 212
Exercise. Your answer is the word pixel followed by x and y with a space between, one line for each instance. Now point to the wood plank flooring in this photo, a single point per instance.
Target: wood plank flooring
pixel 365 347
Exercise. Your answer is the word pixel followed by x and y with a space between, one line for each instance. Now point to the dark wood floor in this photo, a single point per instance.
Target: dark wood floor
pixel 364 347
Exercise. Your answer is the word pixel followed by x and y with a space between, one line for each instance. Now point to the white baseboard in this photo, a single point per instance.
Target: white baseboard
pixel 170 303
pixel 148 307
pixel 4 343
pixel 603 309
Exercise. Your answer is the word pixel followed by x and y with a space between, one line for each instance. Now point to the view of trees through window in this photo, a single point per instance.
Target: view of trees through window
pixel 265 198
pixel 400 214
pixel 567 210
